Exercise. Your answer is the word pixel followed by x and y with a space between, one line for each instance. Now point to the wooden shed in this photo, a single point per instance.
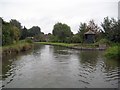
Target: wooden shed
pixel 89 37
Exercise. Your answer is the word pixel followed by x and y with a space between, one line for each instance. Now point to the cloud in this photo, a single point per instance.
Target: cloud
pixel 45 13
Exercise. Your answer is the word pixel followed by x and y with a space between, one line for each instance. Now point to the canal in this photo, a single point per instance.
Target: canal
pixel 58 67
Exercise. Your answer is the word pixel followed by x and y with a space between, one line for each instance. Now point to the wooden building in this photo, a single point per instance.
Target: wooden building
pixel 89 37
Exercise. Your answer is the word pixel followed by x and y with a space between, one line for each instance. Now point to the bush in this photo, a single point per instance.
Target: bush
pixel 28 40
pixel 113 52
pixel 103 41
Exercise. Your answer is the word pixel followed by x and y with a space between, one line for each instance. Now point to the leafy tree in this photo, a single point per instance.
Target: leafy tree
pixel 24 33
pixel 111 29
pixel 107 26
pixel 76 39
pixel 61 31
pixel 35 30
pixel 16 23
pixel 93 27
pixel 1 31
pixel 15 33
pixel 6 39
pixel 40 38
pixel 10 33
pixel 53 38
pixel 82 29
pixel 115 35
pixel 97 30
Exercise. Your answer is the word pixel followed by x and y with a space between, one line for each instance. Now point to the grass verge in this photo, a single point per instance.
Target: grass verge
pixel 113 52
pixel 57 44
pixel 16 48
pixel 70 44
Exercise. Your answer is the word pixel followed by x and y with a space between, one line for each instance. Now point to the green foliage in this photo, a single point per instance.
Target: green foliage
pixel 15 33
pixel 116 31
pixel 28 40
pixel 82 29
pixel 57 44
pixel 93 27
pixel 68 39
pixel 24 33
pixel 111 29
pixel 113 52
pixel 53 38
pixel 61 31
pixel 16 23
pixel 40 38
pixel 16 48
pixel 103 41
pixel 10 33
pixel 76 38
pixel 35 30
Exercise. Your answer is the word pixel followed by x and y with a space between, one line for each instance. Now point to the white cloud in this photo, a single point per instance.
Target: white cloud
pixel 45 13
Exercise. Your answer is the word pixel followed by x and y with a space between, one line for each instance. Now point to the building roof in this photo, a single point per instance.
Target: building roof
pixel 89 32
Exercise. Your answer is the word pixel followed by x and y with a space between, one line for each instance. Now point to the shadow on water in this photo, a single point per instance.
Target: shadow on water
pixel 112 70
pixel 60 50
pixel 61 54
pixel 93 64
pixel 88 58
pixel 8 66
pixel 37 49
pixel 111 64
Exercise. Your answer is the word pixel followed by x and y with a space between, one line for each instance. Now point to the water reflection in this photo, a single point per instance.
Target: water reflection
pixel 61 50
pixel 58 67
pixel 8 62
pixel 36 51
pixel 61 54
pixel 88 58
pixel 112 73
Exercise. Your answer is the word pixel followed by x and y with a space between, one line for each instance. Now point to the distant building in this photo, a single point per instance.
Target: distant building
pixel 119 10
pixel 89 37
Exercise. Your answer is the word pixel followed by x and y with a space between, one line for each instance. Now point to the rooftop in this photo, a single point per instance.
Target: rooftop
pixel 89 32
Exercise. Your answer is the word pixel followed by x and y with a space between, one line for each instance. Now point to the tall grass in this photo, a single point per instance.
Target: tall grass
pixel 113 52
pixel 17 47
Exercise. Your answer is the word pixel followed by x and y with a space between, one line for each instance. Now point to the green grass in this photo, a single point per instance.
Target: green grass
pixel 57 44
pixel 91 45
pixel 69 44
pixel 17 46
pixel 113 52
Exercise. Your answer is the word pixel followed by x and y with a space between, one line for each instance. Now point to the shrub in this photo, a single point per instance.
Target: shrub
pixel 103 41
pixel 113 52
pixel 28 40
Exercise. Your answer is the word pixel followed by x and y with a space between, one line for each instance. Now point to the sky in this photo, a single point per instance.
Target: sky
pixel 46 13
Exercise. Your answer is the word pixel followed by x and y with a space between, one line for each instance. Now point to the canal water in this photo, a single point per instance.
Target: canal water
pixel 58 67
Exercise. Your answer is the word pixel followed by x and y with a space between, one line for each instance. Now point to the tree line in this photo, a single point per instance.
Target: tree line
pixel 12 32
pixel 109 30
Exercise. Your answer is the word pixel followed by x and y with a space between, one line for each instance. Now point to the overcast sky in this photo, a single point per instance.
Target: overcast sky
pixel 45 13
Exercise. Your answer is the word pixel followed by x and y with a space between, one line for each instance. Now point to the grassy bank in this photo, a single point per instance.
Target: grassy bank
pixel 113 52
pixel 77 46
pixel 57 44
pixel 16 48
